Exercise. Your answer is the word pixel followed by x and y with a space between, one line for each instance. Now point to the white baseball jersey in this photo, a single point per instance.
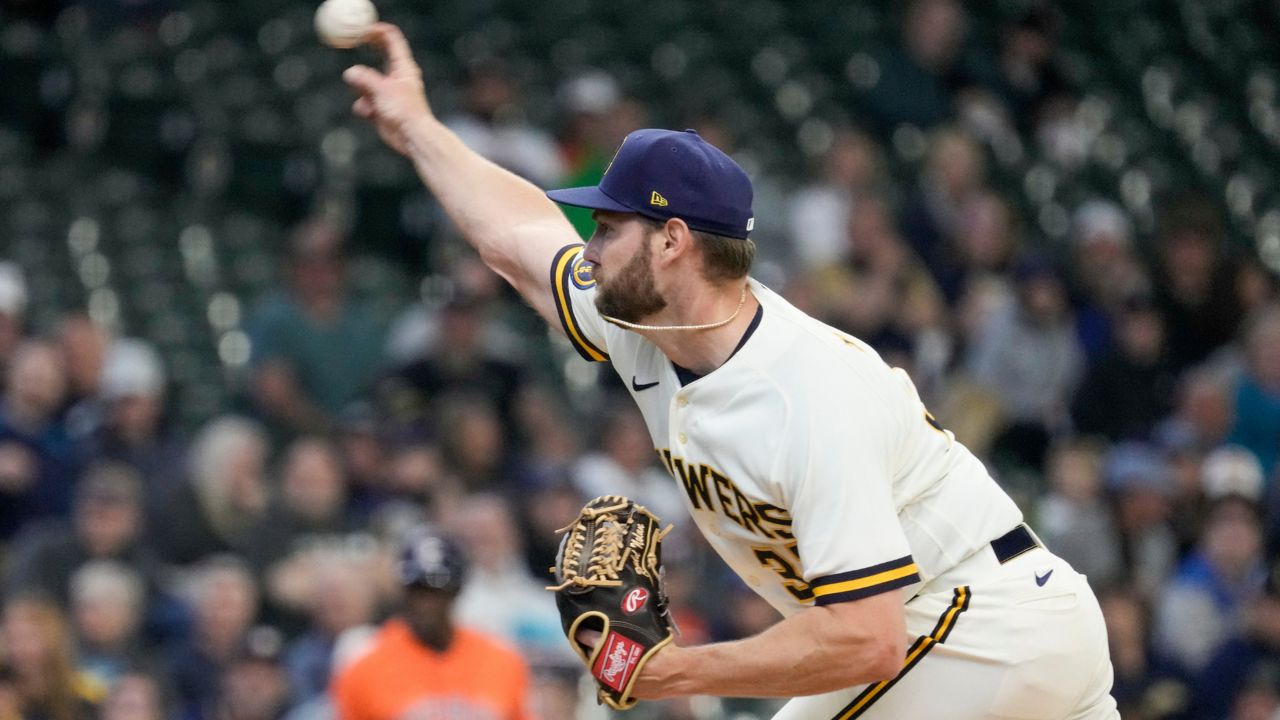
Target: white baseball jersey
pixel 810 465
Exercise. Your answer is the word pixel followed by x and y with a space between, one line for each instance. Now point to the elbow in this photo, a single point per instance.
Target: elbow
pixel 886 659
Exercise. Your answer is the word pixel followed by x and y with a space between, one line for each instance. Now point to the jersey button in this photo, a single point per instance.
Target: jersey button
pixel 754 580
pixel 682 401
pixel 683 438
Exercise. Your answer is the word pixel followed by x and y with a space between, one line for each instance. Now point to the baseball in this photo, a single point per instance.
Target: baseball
pixel 344 23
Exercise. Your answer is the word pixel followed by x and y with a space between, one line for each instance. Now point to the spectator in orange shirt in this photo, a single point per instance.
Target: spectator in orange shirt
pixel 420 664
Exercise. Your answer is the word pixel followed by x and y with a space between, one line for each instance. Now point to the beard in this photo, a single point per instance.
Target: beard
pixel 630 294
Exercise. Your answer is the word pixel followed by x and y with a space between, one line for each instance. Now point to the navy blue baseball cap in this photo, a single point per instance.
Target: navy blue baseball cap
pixel 664 174
pixel 429 559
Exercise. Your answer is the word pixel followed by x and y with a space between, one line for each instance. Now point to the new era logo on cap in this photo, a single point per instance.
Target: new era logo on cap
pixel 701 184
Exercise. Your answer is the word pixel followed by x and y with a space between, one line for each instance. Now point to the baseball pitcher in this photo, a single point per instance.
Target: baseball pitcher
pixel 908 583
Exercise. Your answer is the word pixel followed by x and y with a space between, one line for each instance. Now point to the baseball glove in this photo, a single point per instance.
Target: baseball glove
pixel 609 579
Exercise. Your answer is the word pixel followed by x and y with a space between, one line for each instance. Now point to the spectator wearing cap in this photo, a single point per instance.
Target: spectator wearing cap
pixel 1257 395
pixel 134 430
pixel 1141 485
pixel 106 524
pixel 1132 386
pixel 314 348
pixel 39 461
pixel 1205 602
pixel 254 684
pixel 421 664
pixel 13 309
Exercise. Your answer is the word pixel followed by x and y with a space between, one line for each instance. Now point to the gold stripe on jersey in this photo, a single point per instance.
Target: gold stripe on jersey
pixel 866 582
pixel 920 648
pixel 561 269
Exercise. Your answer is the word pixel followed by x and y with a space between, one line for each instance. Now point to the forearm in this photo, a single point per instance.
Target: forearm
pixel 809 653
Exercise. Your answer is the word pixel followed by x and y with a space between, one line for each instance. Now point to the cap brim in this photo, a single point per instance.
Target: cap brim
pixel 588 197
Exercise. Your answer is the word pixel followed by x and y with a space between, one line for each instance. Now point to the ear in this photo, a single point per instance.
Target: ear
pixel 675 240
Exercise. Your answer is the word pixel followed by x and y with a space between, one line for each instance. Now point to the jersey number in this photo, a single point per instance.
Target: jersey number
pixel 782 565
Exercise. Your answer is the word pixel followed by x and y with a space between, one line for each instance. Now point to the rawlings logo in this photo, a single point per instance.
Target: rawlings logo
pixel 616 661
pixel 634 600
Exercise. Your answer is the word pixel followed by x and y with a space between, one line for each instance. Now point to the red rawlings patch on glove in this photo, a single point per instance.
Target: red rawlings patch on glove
pixel 617 661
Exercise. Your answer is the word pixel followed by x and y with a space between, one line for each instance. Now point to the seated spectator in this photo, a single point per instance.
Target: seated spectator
pixel 1205 603
pixel 1146 685
pixel 254 684
pixel 499 595
pixel 924 73
pixel 136 696
pixel 224 496
pixel 1030 82
pixel 134 429
pixel 1029 354
pixel 83 344
pixel 224 604
pixel 1257 395
pixel 459 361
pixel 1104 271
pixel 341 596
pixel 1131 387
pixel 1142 487
pixel 1204 412
pixel 315 349
pixel 878 289
pixel 1256 643
pixel 38 459
pixel 493 124
pixel 308 514
pixel 474 443
pixel 1074 517
pixel 953 179
pixel 13 308
pixel 39 650
pixel 1195 280
pixel 106 525
pixel 625 464
pixel 819 213
pixel 108 600
pixel 421 663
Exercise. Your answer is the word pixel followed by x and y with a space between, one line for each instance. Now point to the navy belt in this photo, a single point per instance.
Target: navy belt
pixel 1014 543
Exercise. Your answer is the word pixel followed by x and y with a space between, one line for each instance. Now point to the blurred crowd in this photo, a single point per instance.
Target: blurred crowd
pixel 1123 385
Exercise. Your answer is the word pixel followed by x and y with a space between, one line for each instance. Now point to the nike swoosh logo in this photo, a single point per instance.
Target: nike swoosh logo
pixel 638 387
pixel 1042 579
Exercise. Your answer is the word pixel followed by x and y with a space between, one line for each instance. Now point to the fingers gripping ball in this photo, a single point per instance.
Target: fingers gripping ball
pixel 609 581
pixel 345 23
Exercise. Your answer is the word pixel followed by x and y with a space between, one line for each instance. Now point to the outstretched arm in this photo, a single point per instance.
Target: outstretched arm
pixel 512 224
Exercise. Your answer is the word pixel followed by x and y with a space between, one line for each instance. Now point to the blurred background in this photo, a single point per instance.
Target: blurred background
pixel 242 350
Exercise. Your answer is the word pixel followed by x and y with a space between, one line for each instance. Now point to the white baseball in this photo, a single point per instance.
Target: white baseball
pixel 344 23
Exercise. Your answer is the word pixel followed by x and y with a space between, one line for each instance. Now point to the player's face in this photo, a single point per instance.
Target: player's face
pixel 623 268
